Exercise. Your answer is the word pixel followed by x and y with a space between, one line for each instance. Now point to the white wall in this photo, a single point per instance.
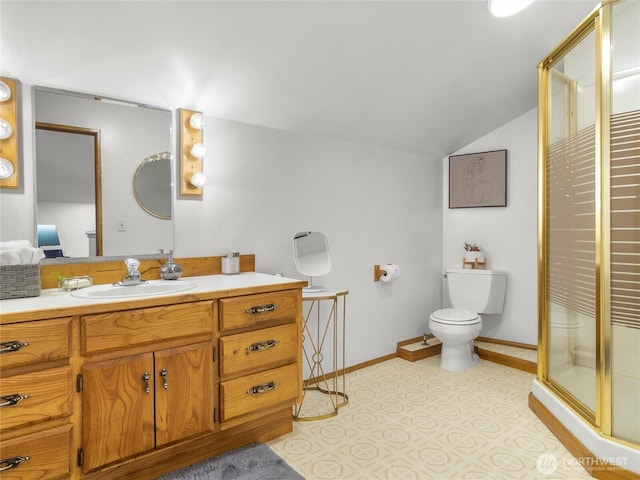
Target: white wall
pixel 507 234
pixel 374 205
pixel 72 220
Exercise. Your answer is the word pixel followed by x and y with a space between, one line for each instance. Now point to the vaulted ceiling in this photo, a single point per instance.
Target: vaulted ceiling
pixel 420 76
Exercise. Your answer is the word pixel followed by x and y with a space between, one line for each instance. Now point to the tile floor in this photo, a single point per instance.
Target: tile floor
pixel 409 421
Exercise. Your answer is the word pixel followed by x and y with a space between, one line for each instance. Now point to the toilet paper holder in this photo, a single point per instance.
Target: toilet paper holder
pixel 378 272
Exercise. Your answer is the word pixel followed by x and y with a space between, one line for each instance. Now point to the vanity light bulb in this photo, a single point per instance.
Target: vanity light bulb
pixel 198 180
pixel 197 121
pixel 199 151
pixel 5 92
pixel 5 129
pixel 6 168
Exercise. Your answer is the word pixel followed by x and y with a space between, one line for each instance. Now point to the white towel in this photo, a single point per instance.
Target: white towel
pixel 19 252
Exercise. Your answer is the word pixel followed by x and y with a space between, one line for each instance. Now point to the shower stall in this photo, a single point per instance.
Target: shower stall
pixel 589 233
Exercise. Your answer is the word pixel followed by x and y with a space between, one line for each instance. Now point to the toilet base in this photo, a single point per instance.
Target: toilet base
pixel 458 358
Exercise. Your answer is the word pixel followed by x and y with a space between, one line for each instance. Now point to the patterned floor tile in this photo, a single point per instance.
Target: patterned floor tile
pixel 414 421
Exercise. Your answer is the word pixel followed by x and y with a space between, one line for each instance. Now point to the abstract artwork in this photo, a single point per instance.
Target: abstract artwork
pixel 478 179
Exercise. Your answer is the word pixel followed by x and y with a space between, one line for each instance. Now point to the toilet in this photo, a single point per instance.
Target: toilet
pixel 471 292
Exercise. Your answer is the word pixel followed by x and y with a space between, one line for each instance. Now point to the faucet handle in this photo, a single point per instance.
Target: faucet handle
pixel 132 264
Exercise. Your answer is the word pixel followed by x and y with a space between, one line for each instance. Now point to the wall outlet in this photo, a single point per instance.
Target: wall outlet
pixel 122 225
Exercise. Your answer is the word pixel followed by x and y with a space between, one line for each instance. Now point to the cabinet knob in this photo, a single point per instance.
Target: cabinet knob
pixel 256 347
pixel 145 379
pixel 163 374
pixel 270 307
pixel 13 399
pixel 264 388
pixel 12 346
pixel 12 462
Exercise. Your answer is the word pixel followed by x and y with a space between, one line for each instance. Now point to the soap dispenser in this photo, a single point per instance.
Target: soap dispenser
pixel 170 270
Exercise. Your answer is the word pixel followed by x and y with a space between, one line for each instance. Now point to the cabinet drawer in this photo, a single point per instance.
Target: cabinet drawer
pixel 111 331
pixel 45 454
pixel 260 390
pixel 45 395
pixel 259 350
pixel 42 341
pixel 251 310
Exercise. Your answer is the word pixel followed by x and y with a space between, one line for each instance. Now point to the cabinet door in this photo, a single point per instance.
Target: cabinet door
pixel 117 409
pixel 184 392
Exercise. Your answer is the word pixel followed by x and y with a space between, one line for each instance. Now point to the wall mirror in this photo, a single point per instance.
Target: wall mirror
pixel 311 256
pixel 152 185
pixel 92 180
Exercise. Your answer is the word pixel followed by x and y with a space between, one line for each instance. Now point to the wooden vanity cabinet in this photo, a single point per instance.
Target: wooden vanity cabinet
pixel 133 404
pixel 135 389
pixel 36 404
pixel 260 348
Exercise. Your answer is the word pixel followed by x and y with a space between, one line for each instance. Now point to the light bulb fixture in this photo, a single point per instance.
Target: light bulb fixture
pixel 5 91
pixel 9 131
pixel 192 151
pixel 506 8
pixel 199 151
pixel 197 121
pixel 5 129
pixel 198 180
pixel 6 168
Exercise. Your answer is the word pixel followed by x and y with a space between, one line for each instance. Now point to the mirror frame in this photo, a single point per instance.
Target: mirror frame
pixel 147 162
pixel 53 127
pixel 319 240
pixel 172 143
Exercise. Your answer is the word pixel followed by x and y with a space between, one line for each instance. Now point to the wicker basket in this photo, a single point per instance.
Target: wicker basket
pixel 19 281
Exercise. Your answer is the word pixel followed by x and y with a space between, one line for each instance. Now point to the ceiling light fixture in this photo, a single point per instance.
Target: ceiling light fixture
pixel 506 8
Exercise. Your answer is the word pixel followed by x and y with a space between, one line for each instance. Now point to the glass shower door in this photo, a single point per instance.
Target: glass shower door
pixel 570 217
pixel 625 221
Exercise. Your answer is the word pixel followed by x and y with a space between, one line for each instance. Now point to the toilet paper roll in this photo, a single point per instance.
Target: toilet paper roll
pixel 392 272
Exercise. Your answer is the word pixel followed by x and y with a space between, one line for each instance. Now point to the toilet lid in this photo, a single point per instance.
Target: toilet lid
pixel 455 316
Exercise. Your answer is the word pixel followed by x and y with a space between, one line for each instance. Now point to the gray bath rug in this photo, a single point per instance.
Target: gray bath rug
pixel 252 462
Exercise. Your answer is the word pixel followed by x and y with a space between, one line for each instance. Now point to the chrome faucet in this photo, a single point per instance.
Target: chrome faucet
pixel 133 275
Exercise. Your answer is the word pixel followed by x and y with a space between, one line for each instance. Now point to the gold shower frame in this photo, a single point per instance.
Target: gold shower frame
pixel 599 21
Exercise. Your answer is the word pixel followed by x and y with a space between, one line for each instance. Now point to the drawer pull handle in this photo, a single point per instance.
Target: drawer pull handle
pixel 258 346
pixel 163 374
pixel 264 388
pixel 270 307
pixel 12 346
pixel 12 462
pixel 14 399
pixel 145 379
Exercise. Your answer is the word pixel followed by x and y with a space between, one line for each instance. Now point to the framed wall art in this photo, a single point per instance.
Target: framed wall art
pixel 478 180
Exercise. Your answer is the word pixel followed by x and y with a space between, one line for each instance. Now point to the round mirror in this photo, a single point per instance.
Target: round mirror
pixel 152 185
pixel 311 255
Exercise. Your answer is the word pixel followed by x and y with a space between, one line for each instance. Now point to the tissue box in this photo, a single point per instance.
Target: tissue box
pixel 19 281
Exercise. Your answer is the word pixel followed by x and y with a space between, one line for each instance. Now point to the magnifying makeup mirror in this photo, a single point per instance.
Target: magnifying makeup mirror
pixel 311 257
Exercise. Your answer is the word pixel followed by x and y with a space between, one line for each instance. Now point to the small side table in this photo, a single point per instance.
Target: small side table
pixel 314 338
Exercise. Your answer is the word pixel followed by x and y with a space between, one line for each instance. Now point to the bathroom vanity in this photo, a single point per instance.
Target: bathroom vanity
pixel 136 387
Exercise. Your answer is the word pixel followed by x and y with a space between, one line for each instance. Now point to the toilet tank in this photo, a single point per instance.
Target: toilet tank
pixel 482 291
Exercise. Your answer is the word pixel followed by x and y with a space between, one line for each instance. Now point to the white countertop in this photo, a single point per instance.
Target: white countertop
pixel 51 298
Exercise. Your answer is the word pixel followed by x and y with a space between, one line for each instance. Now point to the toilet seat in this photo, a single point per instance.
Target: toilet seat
pixel 455 316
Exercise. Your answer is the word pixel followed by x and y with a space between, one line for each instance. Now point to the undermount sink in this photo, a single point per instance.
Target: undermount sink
pixel 149 289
